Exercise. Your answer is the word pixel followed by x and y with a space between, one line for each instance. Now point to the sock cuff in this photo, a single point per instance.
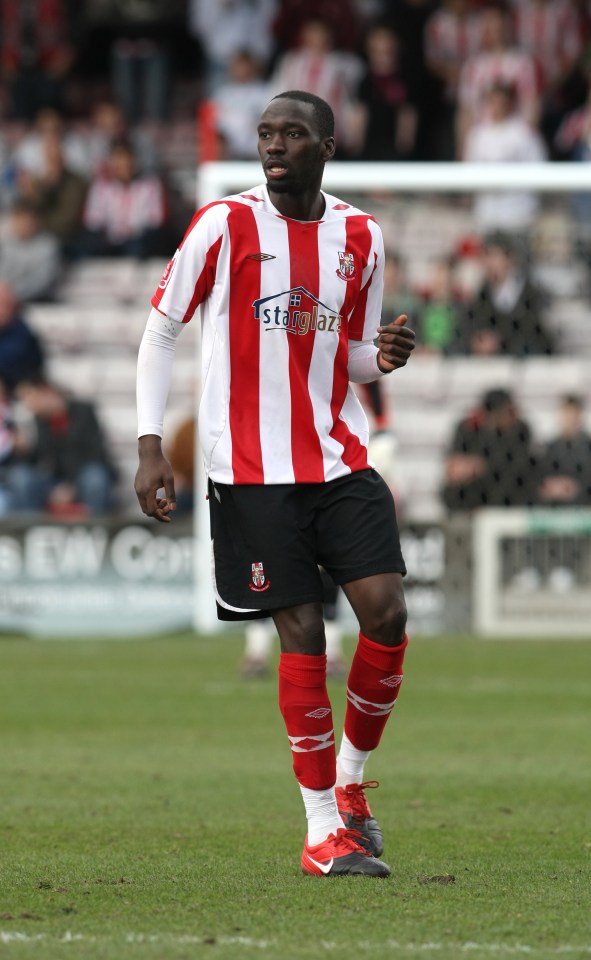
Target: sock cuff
pixel 379 656
pixel 302 669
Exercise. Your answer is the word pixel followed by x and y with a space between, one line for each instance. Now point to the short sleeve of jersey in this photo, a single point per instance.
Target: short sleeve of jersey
pixel 367 312
pixel 190 275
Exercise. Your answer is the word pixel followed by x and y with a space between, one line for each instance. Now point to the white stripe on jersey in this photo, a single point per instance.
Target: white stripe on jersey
pixel 274 389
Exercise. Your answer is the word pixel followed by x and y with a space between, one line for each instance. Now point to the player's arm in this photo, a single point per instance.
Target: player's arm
pixel 154 373
pixel 375 350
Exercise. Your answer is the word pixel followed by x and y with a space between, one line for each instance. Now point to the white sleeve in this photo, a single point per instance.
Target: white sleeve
pixel 363 362
pixel 154 371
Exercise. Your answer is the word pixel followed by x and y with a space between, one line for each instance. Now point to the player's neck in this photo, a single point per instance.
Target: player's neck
pixel 305 206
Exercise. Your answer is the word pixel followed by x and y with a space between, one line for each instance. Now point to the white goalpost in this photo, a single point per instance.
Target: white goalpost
pixel 383 183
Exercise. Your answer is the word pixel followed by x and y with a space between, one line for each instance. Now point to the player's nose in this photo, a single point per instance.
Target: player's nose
pixel 275 144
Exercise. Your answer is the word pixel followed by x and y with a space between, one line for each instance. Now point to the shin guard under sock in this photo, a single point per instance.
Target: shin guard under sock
pixel 307 713
pixel 372 689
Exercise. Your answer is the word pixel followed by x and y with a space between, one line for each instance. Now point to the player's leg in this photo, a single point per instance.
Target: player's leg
pixel 362 552
pixel 303 699
pixel 372 689
pixel 264 548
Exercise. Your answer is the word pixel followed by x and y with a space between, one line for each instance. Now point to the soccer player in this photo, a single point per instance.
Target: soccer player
pixel 284 439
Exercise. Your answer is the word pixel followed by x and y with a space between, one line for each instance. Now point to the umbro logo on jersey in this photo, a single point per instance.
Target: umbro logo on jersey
pixel 260 256
pixel 319 713
pixel 296 311
pixel 394 681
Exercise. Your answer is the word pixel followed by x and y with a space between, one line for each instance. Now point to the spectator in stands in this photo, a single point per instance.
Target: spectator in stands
pixel 503 136
pixel 36 54
pixel 9 448
pixel 551 32
pixel 107 127
pixel 565 463
pixel 408 19
pixel 224 27
pixel 58 194
pixel 126 211
pixel 389 116
pixel 439 317
pixel 29 154
pixel 239 103
pixel 506 316
pixel 452 35
pixel 21 351
pixel 29 256
pixel 140 60
pixel 498 61
pixel 341 16
pixel 7 173
pixel 317 67
pixel 68 469
pixel 490 462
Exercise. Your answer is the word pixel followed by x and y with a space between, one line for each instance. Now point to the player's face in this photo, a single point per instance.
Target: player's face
pixel 291 150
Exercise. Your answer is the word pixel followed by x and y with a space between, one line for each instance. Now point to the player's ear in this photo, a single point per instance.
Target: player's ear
pixel 328 148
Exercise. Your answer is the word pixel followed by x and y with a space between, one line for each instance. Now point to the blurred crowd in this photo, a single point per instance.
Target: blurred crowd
pixel 93 92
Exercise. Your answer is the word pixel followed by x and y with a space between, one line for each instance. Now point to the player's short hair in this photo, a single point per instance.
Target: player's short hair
pixel 323 115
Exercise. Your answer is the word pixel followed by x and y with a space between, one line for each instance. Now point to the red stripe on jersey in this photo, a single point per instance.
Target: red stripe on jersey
pixel 359 243
pixel 308 462
pixel 205 281
pixel 206 278
pixel 244 337
pixel 354 453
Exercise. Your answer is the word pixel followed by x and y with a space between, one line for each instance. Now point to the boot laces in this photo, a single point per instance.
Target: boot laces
pixel 357 799
pixel 347 841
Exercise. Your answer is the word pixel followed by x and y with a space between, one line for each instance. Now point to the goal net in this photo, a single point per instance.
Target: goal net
pixel 483 437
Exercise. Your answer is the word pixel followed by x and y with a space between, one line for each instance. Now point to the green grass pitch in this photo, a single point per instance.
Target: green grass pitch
pixel 148 808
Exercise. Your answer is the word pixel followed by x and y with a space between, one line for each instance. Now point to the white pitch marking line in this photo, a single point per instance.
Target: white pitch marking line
pixel 468 947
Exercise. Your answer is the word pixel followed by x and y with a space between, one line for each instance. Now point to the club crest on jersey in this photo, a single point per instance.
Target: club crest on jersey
pixel 259 580
pixel 296 311
pixel 346 269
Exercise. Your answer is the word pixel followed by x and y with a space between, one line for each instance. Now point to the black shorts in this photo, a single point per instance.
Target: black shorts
pixel 269 539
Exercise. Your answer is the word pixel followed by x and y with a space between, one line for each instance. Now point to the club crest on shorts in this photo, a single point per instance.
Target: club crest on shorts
pixel 259 580
pixel 346 269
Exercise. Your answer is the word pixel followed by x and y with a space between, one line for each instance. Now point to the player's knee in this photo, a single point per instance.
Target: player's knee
pixel 301 630
pixel 387 623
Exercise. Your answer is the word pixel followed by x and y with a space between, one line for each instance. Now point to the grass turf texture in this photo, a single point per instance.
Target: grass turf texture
pixel 149 810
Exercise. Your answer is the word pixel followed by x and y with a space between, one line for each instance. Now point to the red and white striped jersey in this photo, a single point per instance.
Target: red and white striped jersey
pixel 124 210
pixel 513 68
pixel 280 300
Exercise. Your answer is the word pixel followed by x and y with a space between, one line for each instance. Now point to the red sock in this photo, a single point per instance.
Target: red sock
pixel 372 689
pixel 307 712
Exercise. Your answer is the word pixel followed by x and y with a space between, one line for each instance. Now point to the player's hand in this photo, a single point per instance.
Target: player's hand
pixel 396 342
pixel 153 474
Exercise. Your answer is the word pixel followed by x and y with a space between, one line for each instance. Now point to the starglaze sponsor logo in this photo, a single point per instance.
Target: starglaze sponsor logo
pixel 296 311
